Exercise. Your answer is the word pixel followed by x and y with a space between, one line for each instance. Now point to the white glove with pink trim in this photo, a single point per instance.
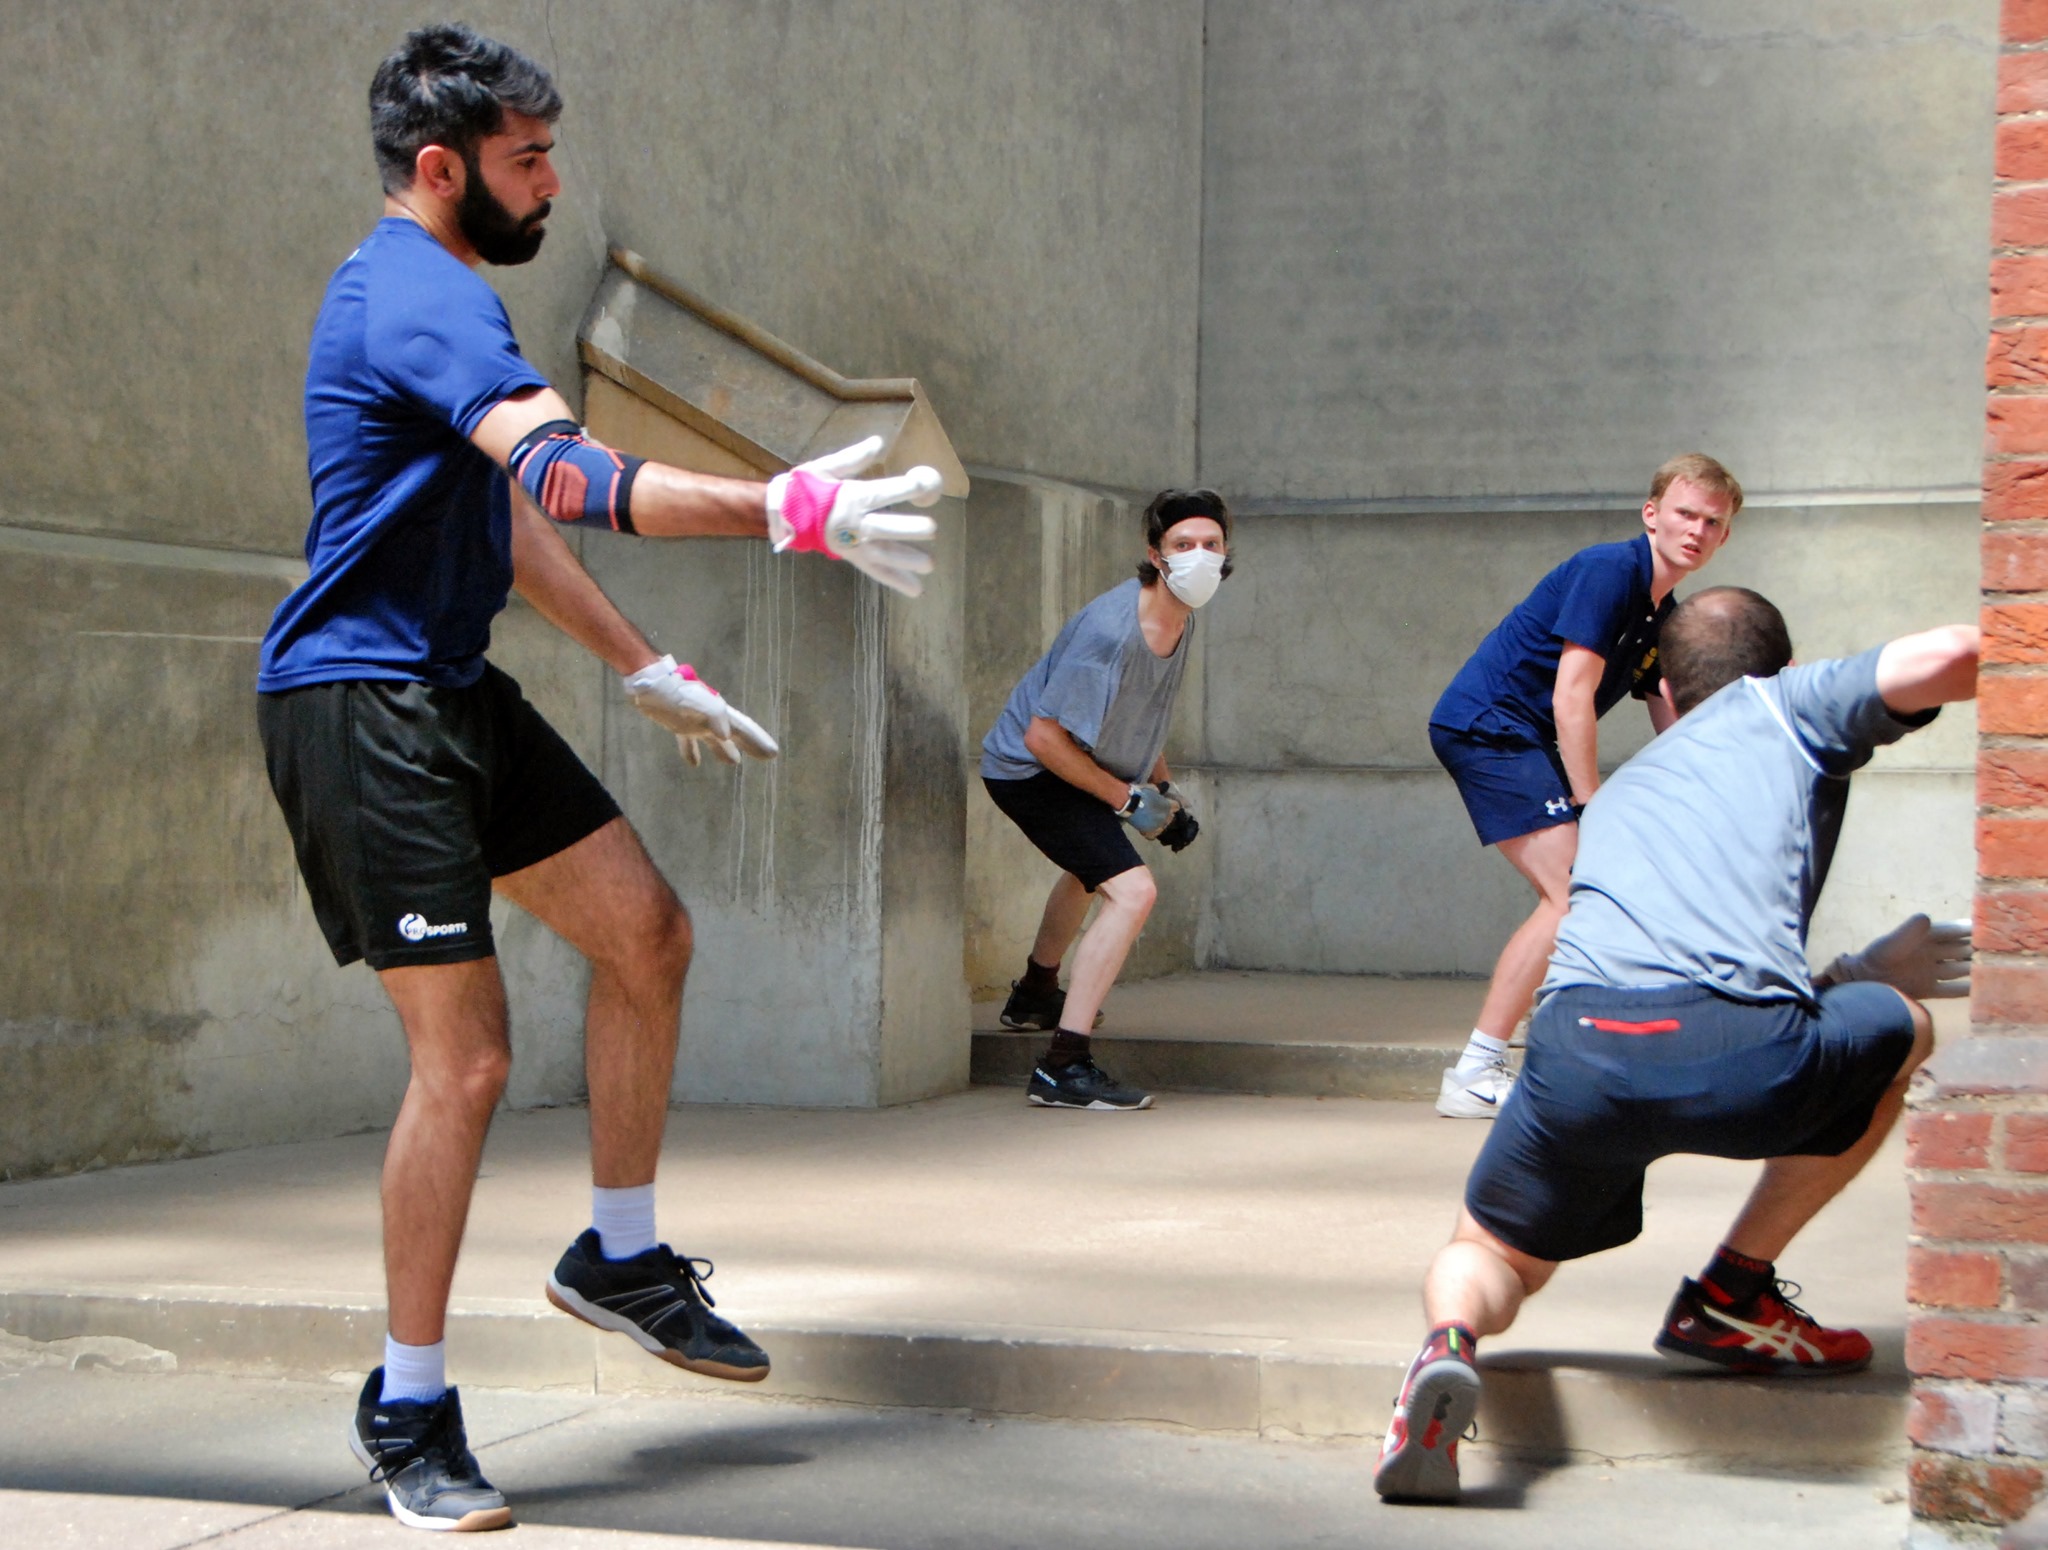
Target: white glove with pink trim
pixel 817 508
pixel 672 694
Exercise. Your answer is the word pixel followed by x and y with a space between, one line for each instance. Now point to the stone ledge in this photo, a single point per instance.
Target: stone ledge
pixel 1543 1403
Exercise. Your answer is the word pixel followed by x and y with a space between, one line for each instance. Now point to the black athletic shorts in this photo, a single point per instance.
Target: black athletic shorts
pixel 1615 1079
pixel 1079 833
pixel 404 800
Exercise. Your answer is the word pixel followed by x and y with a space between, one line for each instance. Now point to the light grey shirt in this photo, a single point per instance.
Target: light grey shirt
pixel 1101 682
pixel 1700 862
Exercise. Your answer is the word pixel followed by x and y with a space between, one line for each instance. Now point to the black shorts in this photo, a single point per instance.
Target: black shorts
pixel 1672 1070
pixel 1079 833
pixel 404 800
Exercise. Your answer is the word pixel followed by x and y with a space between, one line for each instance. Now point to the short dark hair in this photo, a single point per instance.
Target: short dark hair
pixel 1171 506
pixel 446 84
pixel 1717 636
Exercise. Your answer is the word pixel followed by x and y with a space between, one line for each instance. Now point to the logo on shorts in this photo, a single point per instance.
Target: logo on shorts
pixel 414 928
pixel 1558 807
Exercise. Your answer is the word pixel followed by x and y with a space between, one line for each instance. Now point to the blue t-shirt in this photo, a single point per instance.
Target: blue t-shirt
pixel 1599 599
pixel 1103 683
pixel 411 544
pixel 1701 860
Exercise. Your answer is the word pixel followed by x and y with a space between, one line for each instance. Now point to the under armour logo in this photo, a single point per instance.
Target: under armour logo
pixel 1558 807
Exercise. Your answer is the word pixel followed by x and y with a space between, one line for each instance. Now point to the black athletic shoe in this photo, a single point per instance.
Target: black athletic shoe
pixel 1081 1085
pixel 417 1450
pixel 659 1299
pixel 1040 1009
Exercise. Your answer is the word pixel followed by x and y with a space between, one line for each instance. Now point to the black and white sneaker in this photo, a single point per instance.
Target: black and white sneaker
pixel 1040 1009
pixel 1081 1085
pixel 417 1450
pixel 659 1299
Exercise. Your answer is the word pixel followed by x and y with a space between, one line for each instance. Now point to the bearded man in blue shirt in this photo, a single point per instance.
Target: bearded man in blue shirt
pixel 416 779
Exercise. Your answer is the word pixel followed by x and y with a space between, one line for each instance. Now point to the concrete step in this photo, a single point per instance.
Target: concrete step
pixel 1548 1404
pixel 1227 1264
pixel 1282 1035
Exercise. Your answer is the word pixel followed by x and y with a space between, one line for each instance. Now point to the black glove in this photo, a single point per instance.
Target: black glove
pixel 1179 834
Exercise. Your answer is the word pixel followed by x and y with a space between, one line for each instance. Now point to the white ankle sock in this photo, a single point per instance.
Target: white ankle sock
pixel 1481 1050
pixel 624 1219
pixel 415 1371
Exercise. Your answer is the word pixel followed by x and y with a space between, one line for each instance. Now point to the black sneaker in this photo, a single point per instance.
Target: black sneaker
pixel 417 1450
pixel 1040 1009
pixel 1081 1085
pixel 659 1299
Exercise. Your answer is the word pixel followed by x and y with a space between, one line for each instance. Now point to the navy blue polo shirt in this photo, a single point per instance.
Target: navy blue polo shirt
pixel 410 547
pixel 1599 599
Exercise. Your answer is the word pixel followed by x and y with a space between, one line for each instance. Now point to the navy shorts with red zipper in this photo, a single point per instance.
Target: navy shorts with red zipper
pixel 1615 1079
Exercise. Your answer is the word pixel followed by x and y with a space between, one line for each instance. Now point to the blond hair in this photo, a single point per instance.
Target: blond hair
pixel 1697 468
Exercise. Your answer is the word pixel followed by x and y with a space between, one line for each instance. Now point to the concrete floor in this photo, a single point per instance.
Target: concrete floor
pixel 101 1461
pixel 1208 1217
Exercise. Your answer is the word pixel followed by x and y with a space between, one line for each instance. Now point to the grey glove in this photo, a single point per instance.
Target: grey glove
pixel 1925 959
pixel 1148 811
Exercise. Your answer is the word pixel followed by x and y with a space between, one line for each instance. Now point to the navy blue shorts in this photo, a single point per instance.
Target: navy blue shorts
pixel 1615 1079
pixel 1510 787
pixel 1075 831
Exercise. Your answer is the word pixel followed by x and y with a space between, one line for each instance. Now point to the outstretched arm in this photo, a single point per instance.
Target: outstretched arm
pixel 667 502
pixel 1935 667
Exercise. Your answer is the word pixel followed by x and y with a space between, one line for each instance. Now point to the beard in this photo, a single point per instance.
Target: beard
pixel 499 236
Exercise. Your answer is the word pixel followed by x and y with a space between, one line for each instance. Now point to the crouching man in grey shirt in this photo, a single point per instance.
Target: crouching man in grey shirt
pixel 1078 755
pixel 1679 1015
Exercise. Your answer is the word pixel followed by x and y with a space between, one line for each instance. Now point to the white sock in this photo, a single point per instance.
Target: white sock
pixel 415 1371
pixel 624 1219
pixel 1481 1050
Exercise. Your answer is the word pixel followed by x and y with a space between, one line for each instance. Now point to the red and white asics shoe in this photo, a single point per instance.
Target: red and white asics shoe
pixel 1768 1334
pixel 1440 1395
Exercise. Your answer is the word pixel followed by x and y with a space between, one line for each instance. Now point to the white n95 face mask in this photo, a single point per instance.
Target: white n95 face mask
pixel 1193 575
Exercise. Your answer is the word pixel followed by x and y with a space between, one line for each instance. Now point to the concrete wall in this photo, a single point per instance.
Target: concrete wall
pixel 1490 247
pixel 1470 271
pixel 1000 200
pixel 1342 846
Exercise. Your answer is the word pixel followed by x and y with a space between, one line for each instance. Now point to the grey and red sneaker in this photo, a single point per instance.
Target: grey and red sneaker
pixel 1439 1398
pixel 1768 1334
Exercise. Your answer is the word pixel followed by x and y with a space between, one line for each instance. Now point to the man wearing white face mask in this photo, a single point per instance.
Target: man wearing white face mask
pixel 1078 754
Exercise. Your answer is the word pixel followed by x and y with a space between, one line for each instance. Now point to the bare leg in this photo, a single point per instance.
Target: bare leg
pixel 1126 902
pixel 1545 859
pixel 454 1018
pixel 1793 1189
pixel 1065 908
pixel 604 897
pixel 1478 1281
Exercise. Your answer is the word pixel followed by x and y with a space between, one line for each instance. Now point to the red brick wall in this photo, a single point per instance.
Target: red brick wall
pixel 1977 1139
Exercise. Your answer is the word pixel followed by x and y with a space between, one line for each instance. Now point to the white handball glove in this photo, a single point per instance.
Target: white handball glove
pixel 819 508
pixel 1925 959
pixel 672 694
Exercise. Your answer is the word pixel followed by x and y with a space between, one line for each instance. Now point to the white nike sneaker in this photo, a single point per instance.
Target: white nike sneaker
pixel 1478 1096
